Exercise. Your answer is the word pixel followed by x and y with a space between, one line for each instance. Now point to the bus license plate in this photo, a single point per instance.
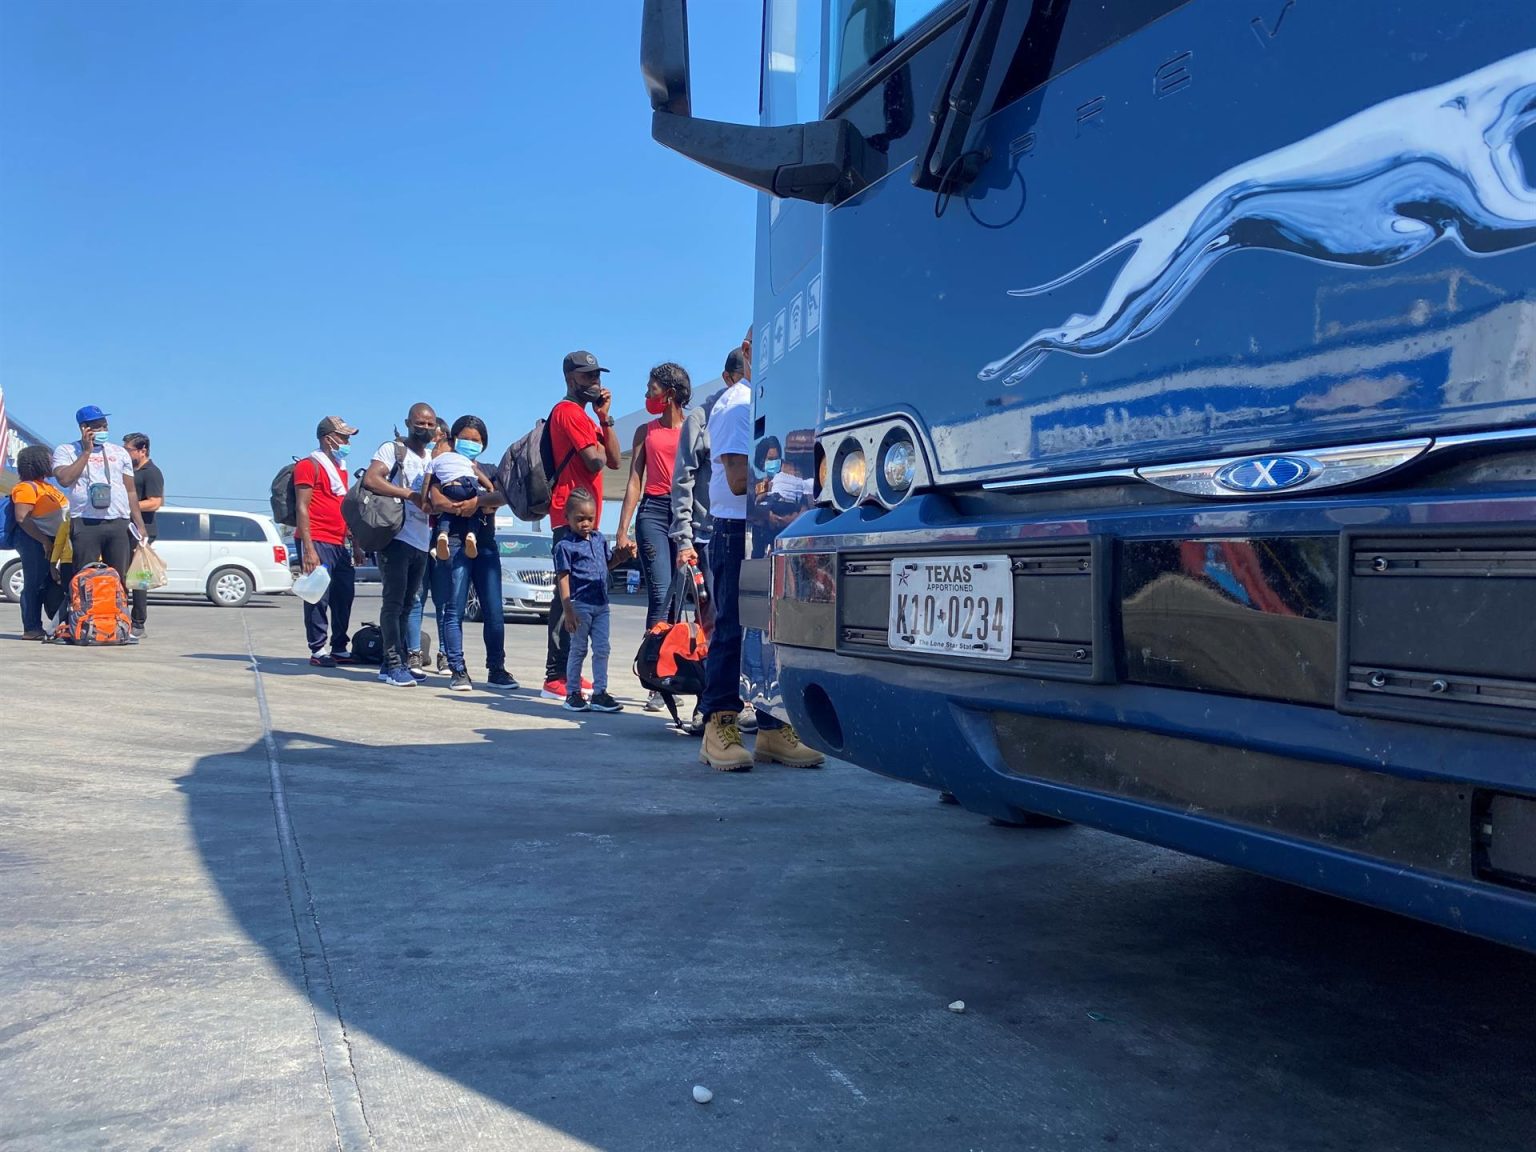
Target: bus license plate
pixel 952 605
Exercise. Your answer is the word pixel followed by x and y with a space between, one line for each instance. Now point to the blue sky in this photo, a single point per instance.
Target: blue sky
pixel 221 221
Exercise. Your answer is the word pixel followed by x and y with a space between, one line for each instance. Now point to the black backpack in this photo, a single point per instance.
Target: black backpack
pixel 368 644
pixel 372 519
pixel 527 474
pixel 285 500
pixel 671 656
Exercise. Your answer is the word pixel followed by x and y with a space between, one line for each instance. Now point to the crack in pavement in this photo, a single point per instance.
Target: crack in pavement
pixel 348 1115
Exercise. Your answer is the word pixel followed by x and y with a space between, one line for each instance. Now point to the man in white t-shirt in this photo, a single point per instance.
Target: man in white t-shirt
pixel 103 499
pixel 730 442
pixel 399 469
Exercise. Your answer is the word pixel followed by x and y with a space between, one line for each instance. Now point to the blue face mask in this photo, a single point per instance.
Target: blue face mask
pixel 339 453
pixel 468 448
pixel 772 467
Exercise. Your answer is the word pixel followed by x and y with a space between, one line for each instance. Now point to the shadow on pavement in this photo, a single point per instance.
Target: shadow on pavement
pixel 581 935
pixel 524 701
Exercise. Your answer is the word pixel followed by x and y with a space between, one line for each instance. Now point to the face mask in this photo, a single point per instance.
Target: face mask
pixel 468 448
pixel 655 405
pixel 339 452
pixel 423 436
pixel 772 467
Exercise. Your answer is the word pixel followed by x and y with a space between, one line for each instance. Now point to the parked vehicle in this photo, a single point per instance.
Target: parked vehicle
pixel 527 578
pixel 226 556
pixel 1165 374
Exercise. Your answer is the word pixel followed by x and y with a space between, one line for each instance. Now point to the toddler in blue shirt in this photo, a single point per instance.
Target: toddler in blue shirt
pixel 582 563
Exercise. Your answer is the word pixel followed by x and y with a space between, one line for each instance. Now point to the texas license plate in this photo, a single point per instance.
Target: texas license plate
pixel 952 605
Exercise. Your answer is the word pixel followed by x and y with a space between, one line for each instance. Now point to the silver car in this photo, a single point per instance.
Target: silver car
pixel 527 578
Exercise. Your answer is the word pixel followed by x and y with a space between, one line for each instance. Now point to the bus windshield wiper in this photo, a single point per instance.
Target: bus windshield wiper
pixel 946 163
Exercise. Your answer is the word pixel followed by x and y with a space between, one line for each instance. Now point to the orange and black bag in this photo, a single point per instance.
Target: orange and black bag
pixel 97 612
pixel 671 657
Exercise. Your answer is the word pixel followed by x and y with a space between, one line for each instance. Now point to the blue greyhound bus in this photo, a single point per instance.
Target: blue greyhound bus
pixel 1152 386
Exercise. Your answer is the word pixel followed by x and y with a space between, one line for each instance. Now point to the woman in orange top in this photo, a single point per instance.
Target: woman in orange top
pixel 40 509
pixel 667 393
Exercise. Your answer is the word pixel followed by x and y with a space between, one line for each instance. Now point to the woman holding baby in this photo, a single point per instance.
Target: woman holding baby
pixel 463 497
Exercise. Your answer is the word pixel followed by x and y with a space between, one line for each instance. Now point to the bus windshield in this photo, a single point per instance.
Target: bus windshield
pixel 865 30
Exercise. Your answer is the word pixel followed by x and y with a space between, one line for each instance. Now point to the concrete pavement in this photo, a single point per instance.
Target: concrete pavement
pixel 297 910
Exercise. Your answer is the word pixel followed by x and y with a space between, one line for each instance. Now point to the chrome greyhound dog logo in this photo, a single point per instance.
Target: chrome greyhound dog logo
pixel 1373 190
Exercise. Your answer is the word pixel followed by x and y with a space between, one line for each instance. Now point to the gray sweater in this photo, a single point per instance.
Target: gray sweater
pixel 691 471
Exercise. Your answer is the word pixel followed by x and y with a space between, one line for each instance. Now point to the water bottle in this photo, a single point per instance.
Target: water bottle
pixel 312 588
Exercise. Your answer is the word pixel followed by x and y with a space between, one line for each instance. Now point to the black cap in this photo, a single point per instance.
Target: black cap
pixel 581 362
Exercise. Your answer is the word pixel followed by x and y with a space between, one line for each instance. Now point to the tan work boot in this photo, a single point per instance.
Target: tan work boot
pixel 783 745
pixel 722 749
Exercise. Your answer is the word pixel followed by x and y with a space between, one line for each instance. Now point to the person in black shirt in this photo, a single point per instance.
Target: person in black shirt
pixel 150 485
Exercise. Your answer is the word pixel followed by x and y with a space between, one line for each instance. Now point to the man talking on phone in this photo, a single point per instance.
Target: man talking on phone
pixel 581 450
pixel 103 500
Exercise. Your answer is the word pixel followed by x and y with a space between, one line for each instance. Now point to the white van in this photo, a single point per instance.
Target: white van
pixel 225 556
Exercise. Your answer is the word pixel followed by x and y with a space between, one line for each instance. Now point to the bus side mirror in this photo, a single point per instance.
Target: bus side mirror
pixel 822 162
pixel 664 56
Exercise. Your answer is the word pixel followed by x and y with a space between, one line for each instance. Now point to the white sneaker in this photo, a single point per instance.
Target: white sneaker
pixel 653 702
pixel 747 719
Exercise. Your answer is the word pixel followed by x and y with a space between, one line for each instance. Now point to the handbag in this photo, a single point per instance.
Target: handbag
pixel 372 519
pixel 670 661
pixel 147 571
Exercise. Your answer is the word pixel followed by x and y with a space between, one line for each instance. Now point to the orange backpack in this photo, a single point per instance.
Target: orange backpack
pixel 97 612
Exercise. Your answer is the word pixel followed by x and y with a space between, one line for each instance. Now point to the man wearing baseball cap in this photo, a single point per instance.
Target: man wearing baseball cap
pixel 581 450
pixel 319 486
pixel 103 501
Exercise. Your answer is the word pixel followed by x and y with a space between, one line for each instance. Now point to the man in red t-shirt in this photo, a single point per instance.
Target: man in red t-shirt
pixel 319 485
pixel 580 450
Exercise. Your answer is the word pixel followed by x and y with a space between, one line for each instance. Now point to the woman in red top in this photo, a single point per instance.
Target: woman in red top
pixel 649 495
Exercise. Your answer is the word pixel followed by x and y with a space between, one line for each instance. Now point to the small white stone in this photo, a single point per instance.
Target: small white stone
pixel 957 1006
pixel 702 1094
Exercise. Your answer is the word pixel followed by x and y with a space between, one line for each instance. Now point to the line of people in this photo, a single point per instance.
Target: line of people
pixel 85 502
pixel 687 494
pixel 431 468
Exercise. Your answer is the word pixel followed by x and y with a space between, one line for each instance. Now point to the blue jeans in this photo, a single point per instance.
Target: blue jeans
pixel 36 580
pixel 418 608
pixel 451 581
pixel 592 627
pixel 456 526
pixel 558 653
pixel 658 555
pixel 722 667
pixel 332 613
pixel 401 566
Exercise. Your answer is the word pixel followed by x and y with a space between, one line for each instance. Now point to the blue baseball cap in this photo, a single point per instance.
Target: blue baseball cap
pixel 89 415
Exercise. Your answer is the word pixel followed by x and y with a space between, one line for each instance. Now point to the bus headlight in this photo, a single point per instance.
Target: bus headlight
pixel 852 472
pixel 898 465
pixel 880 463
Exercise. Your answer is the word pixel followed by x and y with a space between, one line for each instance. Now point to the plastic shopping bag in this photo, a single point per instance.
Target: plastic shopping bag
pixel 147 571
